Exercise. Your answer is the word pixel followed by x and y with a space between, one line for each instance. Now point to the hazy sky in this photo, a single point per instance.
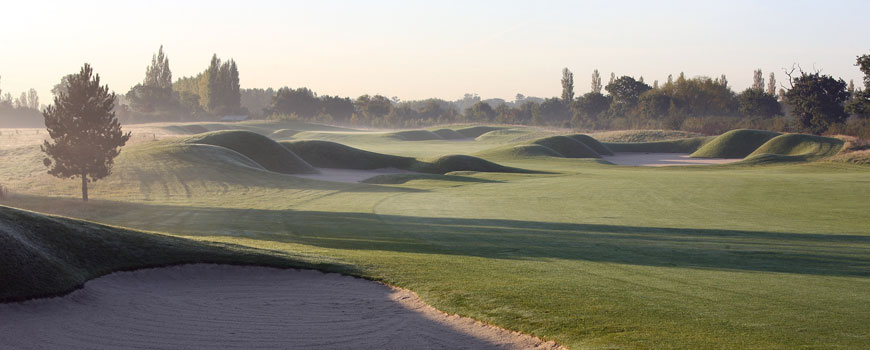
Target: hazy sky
pixel 425 49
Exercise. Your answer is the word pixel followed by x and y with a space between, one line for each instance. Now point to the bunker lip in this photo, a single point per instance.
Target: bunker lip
pixel 207 306
pixel 663 159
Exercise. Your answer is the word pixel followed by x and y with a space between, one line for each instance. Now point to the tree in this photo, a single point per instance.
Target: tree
pixel 626 90
pixel 817 101
pixel 654 104
pixel 480 112
pixel 758 80
pixel 32 99
pixel 596 82
pixel 86 137
pixel 860 99
pixel 158 73
pixel 592 104
pixel 756 103
pixel 552 111
pixel 567 86
pixel 771 85
pixel 62 86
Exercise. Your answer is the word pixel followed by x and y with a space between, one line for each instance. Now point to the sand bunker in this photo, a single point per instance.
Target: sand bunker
pixel 351 175
pixel 662 159
pixel 232 307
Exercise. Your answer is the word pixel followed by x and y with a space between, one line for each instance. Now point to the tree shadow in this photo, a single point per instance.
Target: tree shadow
pixel 802 253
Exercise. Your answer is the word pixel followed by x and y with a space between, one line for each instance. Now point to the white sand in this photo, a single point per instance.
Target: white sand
pixel 662 159
pixel 351 175
pixel 230 307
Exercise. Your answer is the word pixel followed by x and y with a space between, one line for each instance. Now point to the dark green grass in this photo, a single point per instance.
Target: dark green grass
pixel 734 144
pixel 689 145
pixel 327 154
pixel 261 149
pixel 448 134
pixel 592 143
pixel 567 147
pixel 47 256
pixel 519 151
pixel 414 135
pixel 808 147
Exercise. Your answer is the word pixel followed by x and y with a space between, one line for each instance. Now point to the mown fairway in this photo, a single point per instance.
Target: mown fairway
pixel 592 255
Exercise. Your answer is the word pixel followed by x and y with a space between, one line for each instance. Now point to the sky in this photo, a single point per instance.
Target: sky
pixel 421 49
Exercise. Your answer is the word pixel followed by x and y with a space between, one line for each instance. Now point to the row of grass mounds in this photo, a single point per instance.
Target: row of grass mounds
pixel 568 147
pixel 284 133
pixel 327 154
pixel 442 134
pixel 414 135
pixel 398 179
pixel 47 256
pixel 264 151
pixel 476 131
pixel 459 162
pixel 448 134
pixel 800 146
pixel 734 144
pixel 689 145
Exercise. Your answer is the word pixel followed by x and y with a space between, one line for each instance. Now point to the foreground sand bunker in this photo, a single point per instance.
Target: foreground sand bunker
pixel 662 159
pixel 230 307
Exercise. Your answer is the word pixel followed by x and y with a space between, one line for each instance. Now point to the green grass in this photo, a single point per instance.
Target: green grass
pixel 327 154
pixel 689 145
pixel 808 147
pixel 592 143
pixel 591 255
pixel 262 150
pixel 627 136
pixel 476 131
pixel 734 144
pixel 448 134
pixel 415 135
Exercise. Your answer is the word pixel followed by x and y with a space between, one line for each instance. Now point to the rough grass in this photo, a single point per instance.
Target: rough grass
pixel 689 145
pixel 567 147
pixel 734 144
pixel 47 255
pixel 326 154
pixel 807 147
pixel 262 150
pixel 855 157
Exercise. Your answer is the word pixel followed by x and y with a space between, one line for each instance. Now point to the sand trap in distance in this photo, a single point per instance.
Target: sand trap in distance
pixel 662 159
pixel 232 307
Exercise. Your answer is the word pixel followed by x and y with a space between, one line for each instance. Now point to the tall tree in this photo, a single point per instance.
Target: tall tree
pixel 86 137
pixel 860 99
pixel 758 80
pixel 567 85
pixel 158 74
pixel 596 82
pixel 214 84
pixel 771 85
pixel 32 99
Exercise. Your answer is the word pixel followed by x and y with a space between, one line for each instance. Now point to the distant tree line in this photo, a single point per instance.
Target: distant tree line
pixel 21 112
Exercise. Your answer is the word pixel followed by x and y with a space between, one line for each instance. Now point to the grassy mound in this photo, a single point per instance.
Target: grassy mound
pixel 475 131
pixel 448 134
pixel 261 149
pixel 734 144
pixel 625 136
pixel 592 143
pixel 807 147
pixel 458 162
pixel 567 147
pixel 283 133
pixel 515 151
pixel 689 145
pixel 46 256
pixel 329 154
pixel 414 135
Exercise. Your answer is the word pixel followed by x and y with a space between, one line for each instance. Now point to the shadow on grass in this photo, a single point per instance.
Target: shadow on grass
pixel 815 254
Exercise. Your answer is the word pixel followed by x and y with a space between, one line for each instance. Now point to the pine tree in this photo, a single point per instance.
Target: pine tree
pixel 86 136
pixel 596 82
pixel 567 85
